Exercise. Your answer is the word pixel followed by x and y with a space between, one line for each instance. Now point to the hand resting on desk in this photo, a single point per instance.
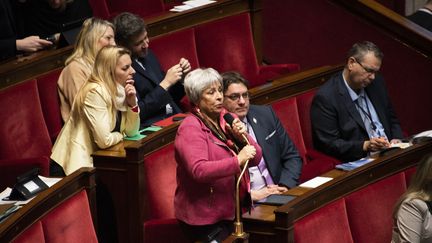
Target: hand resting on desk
pixel 264 192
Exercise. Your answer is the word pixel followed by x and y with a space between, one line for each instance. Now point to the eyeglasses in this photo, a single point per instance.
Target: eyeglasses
pixel 368 70
pixel 236 96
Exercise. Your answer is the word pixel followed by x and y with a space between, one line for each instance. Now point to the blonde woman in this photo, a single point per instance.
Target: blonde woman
pixel 412 215
pixel 105 110
pixel 95 34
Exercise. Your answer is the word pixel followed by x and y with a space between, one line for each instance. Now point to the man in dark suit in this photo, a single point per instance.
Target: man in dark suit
pixel 158 93
pixel 281 165
pixel 10 45
pixel 423 16
pixel 352 114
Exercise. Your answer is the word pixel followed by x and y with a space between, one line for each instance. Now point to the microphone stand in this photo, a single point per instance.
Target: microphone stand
pixel 238 224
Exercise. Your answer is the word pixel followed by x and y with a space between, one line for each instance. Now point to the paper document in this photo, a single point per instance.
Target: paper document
pixel 190 5
pixel 181 8
pixel 197 3
pixel 50 181
pixel 400 145
pixel 315 182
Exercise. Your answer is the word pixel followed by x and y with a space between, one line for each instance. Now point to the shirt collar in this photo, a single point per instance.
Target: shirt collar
pixel 354 96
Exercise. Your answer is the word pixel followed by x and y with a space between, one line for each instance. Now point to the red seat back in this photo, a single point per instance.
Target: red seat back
pixel 409 174
pixel 227 45
pixel 160 183
pixel 23 131
pixel 171 47
pixel 329 224
pixel 304 102
pixel 48 94
pixel 370 209
pixel 70 222
pixel 287 112
pixel 32 234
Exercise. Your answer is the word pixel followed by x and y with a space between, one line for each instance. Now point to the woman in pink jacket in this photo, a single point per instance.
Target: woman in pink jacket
pixel 209 155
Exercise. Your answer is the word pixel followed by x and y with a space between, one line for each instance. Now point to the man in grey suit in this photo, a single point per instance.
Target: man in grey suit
pixel 351 114
pixel 281 165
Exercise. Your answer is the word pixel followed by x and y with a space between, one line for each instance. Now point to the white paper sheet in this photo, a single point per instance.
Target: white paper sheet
pixel 316 182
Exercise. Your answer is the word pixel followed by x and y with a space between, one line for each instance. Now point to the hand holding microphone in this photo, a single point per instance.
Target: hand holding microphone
pixel 247 153
pixel 236 127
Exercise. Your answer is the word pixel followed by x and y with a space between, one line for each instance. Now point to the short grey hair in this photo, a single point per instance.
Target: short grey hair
pixel 198 80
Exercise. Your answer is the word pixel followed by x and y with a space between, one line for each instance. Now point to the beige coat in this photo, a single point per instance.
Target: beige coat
pixel 82 136
pixel 71 79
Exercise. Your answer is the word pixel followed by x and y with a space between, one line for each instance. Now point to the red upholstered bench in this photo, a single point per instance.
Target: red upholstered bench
pixel 232 49
pixel 224 49
pixel 69 222
pixel 314 163
pixel 364 215
pixel 160 183
pixel 25 141
pixel 370 209
pixel 327 225
pixel 49 99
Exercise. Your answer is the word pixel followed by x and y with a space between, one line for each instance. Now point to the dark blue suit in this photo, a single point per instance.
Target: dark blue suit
pixel 279 152
pixel 337 127
pixel 152 98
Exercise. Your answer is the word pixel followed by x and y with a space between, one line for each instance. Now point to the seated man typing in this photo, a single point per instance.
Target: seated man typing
pixel 281 164
pixel 351 114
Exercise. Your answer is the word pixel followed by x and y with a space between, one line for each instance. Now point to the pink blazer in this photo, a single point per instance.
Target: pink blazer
pixel 206 170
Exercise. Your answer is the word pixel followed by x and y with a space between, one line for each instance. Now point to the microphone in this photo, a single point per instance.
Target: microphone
pixel 238 224
pixel 230 119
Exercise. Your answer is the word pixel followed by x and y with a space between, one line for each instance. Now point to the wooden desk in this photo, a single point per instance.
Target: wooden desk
pixel 276 224
pixel 82 179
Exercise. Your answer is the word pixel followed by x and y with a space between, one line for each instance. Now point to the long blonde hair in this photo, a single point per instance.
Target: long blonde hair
pixel 421 184
pixel 103 74
pixel 86 45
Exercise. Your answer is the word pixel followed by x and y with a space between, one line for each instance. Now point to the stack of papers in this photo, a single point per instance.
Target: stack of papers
pixel 191 4
pixel 354 164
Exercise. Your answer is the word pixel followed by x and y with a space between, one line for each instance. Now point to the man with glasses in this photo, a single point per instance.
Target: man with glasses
pixel 352 114
pixel 281 165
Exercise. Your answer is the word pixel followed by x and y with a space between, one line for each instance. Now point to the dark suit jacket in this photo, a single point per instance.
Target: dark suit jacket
pixel 423 19
pixel 36 17
pixel 337 126
pixel 8 30
pixel 280 154
pixel 152 98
